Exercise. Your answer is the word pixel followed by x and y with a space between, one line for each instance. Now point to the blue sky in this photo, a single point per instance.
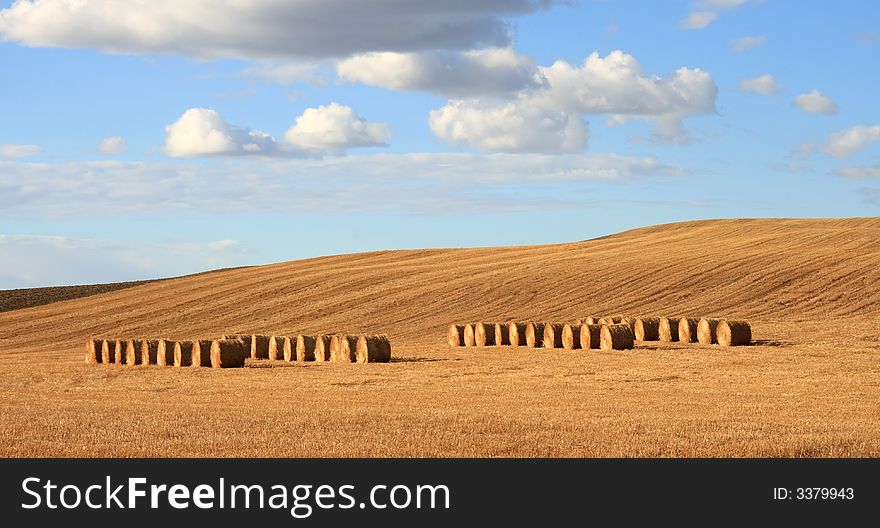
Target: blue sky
pixel 165 138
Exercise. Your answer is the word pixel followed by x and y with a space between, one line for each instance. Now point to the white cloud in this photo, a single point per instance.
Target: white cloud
pixel 859 173
pixel 284 73
pixel 816 103
pixel 698 19
pixel 764 85
pixel 202 132
pixel 335 127
pixel 262 28
pixel 456 74
pixel 38 260
pixel 845 143
pixel 747 43
pixel 803 150
pixel 112 145
pixel 509 127
pixel 12 151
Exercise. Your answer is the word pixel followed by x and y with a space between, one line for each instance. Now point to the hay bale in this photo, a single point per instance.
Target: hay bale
pixel 516 333
pixel 591 335
pixel 322 348
pixel 228 353
pixel 469 339
pixel 616 337
pixel 119 352
pixel 373 349
pixel 93 351
pixel 149 351
pixel 647 329
pixel 288 348
pixel 276 348
pixel 455 335
pixel 305 347
pixel 534 335
pixel 201 352
pixel 687 329
pixel 183 353
pixel 591 321
pixel 484 334
pixel 108 351
pixel 259 346
pixel 571 336
pixel 707 331
pixel 553 335
pixel 667 330
pixel 133 352
pixel 502 334
pixel 345 349
pixel 165 353
pixel 609 320
pixel 734 333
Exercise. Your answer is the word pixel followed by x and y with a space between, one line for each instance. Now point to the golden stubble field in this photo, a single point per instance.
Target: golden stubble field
pixel 810 387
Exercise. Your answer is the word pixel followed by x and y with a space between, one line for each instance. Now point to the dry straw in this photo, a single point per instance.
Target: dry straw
pixel 149 351
pixel 201 354
pixel 276 348
pixel 345 350
pixel 93 351
pixel 591 320
pixel 108 351
pixel 119 352
pixel 305 347
pixel 322 348
pixel 469 339
pixel 553 335
pixel 183 353
pixel 259 346
pixel 228 353
pixel 707 331
pixel 734 333
pixel 133 352
pixel 165 354
pixel 687 329
pixel 455 335
pixel 591 335
pixel 502 334
pixel 616 337
pixel 571 336
pixel 517 334
pixel 534 335
pixel 288 346
pixel 373 349
pixel 667 330
pixel 647 329
pixel 484 334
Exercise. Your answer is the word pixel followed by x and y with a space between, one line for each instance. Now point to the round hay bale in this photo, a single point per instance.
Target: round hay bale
pixel 149 351
pixel 455 335
pixel 133 352
pixel 165 353
pixel 288 348
pixel 259 348
pixel 571 336
pixel 183 353
pixel 322 348
pixel 93 351
pixel 469 338
pixel 305 347
pixel 228 353
pixel 616 337
pixel 591 320
pixel 667 329
pixel 516 333
pixel 201 352
pixel 119 352
pixel 534 335
pixel 502 334
pixel 647 329
pixel 345 350
pixel 591 335
pixel 484 334
pixel 108 351
pixel 734 333
pixel 687 329
pixel 373 349
pixel 276 348
pixel 553 335
pixel 609 320
pixel 707 331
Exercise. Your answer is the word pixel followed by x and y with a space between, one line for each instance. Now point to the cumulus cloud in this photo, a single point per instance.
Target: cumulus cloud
pixel 335 127
pixel 764 85
pixel 698 19
pixel 112 145
pixel 704 12
pixel 331 128
pixel 746 43
pixel 509 127
pixel 262 28
pixel 12 151
pixel 845 143
pixel 816 103
pixel 493 71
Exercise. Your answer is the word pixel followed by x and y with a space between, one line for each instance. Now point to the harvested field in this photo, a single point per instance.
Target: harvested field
pixel 807 386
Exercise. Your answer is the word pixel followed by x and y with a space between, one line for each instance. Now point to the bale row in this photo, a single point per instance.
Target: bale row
pixel 217 353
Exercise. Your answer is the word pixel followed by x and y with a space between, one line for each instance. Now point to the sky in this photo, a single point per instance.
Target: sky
pixel 152 139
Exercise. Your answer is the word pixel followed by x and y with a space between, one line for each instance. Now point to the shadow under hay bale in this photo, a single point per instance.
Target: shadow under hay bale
pixel 707 331
pixel 373 349
pixel 484 334
pixel 667 330
pixel 687 329
pixel 305 347
pixel 616 337
pixel 571 336
pixel 455 335
pixel 591 335
pixel 517 334
pixel 228 353
pixel 553 335
pixel 647 329
pixel 734 333
pixel 534 335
